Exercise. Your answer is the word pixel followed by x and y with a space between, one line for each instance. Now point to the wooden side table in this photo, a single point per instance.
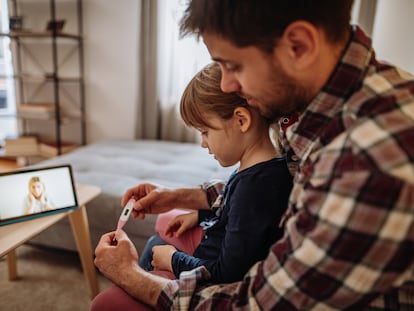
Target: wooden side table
pixel 14 235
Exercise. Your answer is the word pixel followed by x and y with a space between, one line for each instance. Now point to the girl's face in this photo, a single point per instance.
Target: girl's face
pixel 222 140
pixel 36 189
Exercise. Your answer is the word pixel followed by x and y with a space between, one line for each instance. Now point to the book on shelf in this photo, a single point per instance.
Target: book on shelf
pixel 36 110
pixel 50 149
pixel 21 146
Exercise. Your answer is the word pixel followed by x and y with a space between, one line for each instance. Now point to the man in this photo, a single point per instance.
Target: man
pixel 349 132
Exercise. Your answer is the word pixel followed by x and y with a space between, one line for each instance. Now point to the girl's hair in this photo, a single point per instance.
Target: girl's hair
pixel 34 179
pixel 204 95
pixel 31 202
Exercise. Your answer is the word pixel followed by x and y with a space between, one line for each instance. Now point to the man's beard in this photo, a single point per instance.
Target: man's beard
pixel 285 96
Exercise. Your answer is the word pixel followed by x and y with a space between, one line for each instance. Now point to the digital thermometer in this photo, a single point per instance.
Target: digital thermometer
pixel 125 214
pixel 126 211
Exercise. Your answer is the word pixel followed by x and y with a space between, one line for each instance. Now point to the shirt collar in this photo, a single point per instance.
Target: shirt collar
pixel 344 81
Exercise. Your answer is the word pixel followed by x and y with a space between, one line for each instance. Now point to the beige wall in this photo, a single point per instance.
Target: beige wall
pixel 111 48
pixel 393 36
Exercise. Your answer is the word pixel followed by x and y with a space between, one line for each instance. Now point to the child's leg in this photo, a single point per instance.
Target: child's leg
pixel 187 242
pixel 145 257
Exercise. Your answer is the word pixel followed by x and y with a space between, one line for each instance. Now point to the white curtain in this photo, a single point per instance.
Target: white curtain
pixel 147 107
pixel 167 65
pixel 179 60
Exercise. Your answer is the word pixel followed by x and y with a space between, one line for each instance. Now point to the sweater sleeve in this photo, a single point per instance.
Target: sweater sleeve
pixel 183 262
pixel 252 227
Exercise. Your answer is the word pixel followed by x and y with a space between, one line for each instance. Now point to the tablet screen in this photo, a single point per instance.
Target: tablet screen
pixel 31 193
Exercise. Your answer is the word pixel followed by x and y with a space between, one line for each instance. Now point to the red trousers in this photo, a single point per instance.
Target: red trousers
pixel 114 298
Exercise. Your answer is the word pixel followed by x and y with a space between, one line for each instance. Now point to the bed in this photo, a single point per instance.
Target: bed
pixel 116 165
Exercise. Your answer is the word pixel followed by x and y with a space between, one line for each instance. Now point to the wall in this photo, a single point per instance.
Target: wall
pixel 392 37
pixel 111 49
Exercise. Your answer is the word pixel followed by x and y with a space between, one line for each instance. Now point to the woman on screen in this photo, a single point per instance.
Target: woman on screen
pixel 37 200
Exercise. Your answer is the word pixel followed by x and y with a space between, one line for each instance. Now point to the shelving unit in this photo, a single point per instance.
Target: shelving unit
pixel 49 68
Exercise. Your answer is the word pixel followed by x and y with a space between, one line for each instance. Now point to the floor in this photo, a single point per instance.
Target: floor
pixel 48 279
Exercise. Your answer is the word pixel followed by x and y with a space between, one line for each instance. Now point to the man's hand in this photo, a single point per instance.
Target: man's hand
pixel 161 257
pixel 115 259
pixel 181 223
pixel 118 261
pixel 155 199
pixel 137 193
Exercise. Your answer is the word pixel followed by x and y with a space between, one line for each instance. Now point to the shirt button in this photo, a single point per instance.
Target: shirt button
pixel 285 120
pixel 294 158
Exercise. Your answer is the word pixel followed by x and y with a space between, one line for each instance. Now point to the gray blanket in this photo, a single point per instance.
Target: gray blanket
pixel 115 166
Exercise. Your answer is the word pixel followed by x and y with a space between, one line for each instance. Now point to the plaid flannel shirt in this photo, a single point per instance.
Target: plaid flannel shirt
pixel 349 229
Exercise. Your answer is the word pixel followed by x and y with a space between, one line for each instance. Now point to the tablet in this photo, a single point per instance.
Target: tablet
pixel 30 193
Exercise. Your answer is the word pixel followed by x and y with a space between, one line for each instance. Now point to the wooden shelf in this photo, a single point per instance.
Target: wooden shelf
pixel 49 67
pixel 63 119
pixel 39 34
pixel 39 78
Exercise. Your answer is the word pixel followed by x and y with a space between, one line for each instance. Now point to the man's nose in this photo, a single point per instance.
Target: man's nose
pixel 229 83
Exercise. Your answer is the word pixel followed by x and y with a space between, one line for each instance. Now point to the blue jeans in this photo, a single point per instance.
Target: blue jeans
pixel 146 255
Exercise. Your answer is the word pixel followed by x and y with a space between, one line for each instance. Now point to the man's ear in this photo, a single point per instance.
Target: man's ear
pixel 243 118
pixel 299 46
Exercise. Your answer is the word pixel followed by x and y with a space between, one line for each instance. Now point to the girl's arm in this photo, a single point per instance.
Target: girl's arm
pixel 252 227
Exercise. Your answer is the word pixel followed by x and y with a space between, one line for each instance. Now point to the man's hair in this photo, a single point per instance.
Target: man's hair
pixel 204 95
pixel 261 22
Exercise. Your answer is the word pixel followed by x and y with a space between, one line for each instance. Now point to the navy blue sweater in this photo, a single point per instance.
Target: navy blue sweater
pixel 240 232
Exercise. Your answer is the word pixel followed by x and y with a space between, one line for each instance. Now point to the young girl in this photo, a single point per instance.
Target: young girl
pixel 244 221
pixel 37 199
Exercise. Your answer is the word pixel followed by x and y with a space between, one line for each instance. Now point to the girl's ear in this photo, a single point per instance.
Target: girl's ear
pixel 243 118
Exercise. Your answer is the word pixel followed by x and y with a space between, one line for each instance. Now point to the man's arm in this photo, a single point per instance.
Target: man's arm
pixel 342 248
pixel 155 199
pixel 150 286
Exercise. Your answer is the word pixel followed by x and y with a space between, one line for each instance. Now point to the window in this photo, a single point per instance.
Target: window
pixel 8 121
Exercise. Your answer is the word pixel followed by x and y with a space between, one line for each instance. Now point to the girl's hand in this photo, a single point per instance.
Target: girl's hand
pixel 181 223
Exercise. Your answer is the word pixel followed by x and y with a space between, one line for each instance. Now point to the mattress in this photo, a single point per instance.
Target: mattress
pixel 115 166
